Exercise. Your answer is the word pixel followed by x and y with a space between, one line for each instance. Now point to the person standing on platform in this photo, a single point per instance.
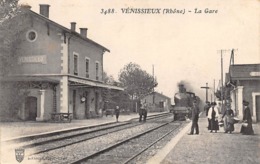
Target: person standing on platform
pixel 247 118
pixel 228 116
pixel 143 111
pixel 213 117
pixel 117 112
pixel 141 108
pixel 195 118
pixel 206 109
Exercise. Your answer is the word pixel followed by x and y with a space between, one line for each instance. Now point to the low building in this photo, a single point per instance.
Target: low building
pixel 157 102
pixel 58 69
pixel 244 83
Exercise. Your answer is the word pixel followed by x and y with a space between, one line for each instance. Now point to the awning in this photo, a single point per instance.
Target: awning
pixel 28 79
pixel 87 83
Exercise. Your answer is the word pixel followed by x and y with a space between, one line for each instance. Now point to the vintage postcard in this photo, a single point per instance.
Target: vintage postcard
pixel 81 81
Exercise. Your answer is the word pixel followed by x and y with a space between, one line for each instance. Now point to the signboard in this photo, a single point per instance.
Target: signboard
pixel 254 73
pixel 32 59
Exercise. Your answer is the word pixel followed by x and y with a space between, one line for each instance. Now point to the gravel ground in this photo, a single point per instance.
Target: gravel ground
pixel 10 130
pixel 159 145
pixel 219 148
pixel 78 151
pixel 128 149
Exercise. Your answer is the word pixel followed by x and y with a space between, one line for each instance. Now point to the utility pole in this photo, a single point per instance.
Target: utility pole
pixel 231 60
pixel 153 85
pixel 214 92
pixel 206 91
pixel 222 96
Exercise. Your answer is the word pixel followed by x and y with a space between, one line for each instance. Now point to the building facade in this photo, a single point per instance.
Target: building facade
pixel 244 83
pixel 157 102
pixel 59 70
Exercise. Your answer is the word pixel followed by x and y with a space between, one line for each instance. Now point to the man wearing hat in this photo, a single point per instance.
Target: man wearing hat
pixel 195 118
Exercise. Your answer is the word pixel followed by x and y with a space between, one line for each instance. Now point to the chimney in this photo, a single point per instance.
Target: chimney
pixel 73 26
pixel 26 6
pixel 83 32
pixel 44 10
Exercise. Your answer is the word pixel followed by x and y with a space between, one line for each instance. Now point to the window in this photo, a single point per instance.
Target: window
pixel 75 61
pixel 97 69
pixel 31 35
pixel 87 68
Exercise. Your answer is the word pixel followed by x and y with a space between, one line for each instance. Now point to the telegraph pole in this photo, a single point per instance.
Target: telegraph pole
pixel 221 81
pixel 153 85
pixel 231 60
pixel 206 91
pixel 214 92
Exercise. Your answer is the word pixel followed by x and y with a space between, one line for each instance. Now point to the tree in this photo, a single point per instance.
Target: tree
pixel 108 79
pixel 13 22
pixel 8 9
pixel 136 81
pixel 111 98
pixel 226 93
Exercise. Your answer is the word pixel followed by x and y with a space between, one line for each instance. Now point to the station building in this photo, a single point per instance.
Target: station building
pixel 157 102
pixel 244 83
pixel 59 70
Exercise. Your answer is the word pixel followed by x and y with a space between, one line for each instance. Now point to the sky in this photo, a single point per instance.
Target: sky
pixel 181 46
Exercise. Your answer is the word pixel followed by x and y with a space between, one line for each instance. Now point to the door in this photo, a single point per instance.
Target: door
pixel 257 108
pixel 87 114
pixel 31 108
pixel 74 103
pixel 96 102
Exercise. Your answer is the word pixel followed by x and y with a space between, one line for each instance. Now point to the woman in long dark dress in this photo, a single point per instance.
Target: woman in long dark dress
pixel 228 124
pixel 213 117
pixel 247 118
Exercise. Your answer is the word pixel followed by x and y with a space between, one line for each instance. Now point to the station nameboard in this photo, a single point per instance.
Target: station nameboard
pixel 32 59
pixel 254 73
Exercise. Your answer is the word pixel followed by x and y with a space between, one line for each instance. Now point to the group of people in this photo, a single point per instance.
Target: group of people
pixel 142 112
pixel 212 113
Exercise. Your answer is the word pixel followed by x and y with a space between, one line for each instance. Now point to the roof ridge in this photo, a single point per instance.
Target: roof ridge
pixel 67 29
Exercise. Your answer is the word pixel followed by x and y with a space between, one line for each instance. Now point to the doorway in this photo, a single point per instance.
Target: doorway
pixel 74 104
pixel 87 113
pixel 96 102
pixel 31 108
pixel 257 108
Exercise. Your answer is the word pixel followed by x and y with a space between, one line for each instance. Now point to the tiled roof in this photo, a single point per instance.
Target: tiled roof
pixel 159 94
pixel 67 30
pixel 245 71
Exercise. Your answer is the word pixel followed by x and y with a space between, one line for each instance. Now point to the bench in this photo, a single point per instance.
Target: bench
pixel 109 112
pixel 61 117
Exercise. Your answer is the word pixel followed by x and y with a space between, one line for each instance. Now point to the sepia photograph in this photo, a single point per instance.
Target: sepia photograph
pixel 129 81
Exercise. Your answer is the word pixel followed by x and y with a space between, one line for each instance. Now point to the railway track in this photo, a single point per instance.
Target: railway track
pixel 107 148
pixel 127 150
pixel 43 143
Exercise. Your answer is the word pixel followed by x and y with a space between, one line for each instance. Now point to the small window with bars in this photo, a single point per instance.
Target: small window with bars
pixel 97 69
pixel 87 68
pixel 75 59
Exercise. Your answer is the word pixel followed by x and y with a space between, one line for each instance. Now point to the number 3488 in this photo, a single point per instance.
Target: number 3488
pixel 107 11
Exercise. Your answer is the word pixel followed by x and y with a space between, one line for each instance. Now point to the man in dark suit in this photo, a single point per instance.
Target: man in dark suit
pixel 195 118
